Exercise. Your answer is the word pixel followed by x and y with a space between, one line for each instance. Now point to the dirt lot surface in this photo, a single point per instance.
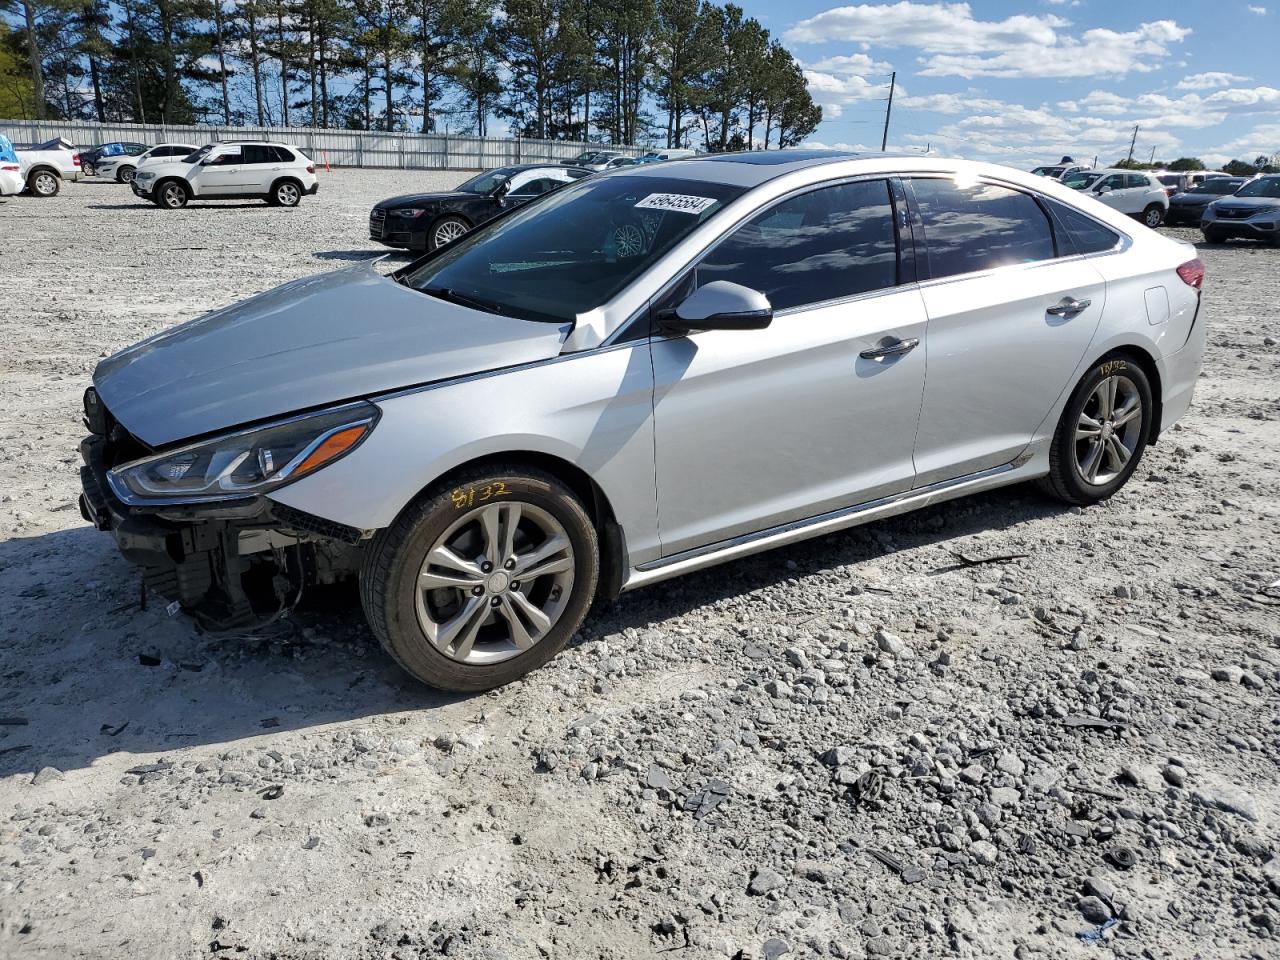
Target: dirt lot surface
pixel 860 746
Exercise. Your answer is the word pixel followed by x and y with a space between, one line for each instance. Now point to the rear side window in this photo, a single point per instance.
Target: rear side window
pixel 281 155
pixel 1139 180
pixel 829 243
pixel 1082 234
pixel 979 226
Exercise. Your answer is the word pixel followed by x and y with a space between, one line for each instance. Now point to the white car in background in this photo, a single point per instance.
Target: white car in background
pixel 1134 192
pixel 11 182
pixel 230 170
pixel 122 168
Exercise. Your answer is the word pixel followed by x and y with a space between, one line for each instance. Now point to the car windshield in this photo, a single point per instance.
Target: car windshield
pixel 572 251
pixel 1047 171
pixel 584 157
pixel 1078 181
pixel 486 183
pixel 1217 186
pixel 1263 187
pixel 199 154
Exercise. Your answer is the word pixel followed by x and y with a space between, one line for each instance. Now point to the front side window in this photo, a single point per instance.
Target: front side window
pixel 486 183
pixel 980 226
pixel 829 243
pixel 228 158
pixel 572 251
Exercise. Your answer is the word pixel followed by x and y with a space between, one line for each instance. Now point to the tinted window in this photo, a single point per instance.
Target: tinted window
pixel 256 154
pixel 979 227
pixel 1084 234
pixel 829 243
pixel 1139 180
pixel 281 154
pixel 1262 187
pixel 536 187
pixel 575 250
pixel 227 158
pixel 1218 185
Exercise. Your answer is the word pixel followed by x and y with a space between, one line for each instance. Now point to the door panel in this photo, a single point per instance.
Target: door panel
pixel 223 176
pixel 762 427
pixel 998 361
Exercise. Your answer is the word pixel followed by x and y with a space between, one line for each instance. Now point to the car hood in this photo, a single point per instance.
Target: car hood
pixel 418 199
pixel 1246 203
pixel 313 342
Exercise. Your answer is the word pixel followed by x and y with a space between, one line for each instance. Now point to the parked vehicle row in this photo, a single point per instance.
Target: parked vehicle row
pixel 1187 207
pixel 1133 192
pixel 46 165
pixel 279 173
pixel 601 390
pixel 1251 213
pixel 122 168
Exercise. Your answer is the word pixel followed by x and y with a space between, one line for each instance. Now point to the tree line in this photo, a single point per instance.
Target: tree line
pixel 1236 168
pixel 674 72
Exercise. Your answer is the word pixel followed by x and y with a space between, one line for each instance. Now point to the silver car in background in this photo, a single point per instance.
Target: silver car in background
pixel 637 376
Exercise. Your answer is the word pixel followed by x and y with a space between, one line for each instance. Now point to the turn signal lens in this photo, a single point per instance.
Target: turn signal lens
pixel 1192 273
pixel 333 446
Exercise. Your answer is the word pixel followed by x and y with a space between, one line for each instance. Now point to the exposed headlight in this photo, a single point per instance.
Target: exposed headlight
pixel 143 176
pixel 247 463
pixel 408 212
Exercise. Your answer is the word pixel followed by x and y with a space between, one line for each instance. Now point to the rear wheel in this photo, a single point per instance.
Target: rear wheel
pixel 1102 434
pixel 88 169
pixel 42 183
pixel 286 193
pixel 482 580
pixel 1153 215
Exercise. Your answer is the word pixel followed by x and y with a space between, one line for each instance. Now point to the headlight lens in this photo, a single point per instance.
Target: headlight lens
pixel 408 212
pixel 247 463
pixel 143 176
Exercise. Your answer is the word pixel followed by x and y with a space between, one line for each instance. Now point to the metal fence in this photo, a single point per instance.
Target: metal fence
pixel 339 148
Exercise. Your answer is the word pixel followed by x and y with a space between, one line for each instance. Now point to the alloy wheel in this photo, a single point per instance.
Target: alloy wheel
pixel 1153 217
pixel 173 195
pixel 288 195
pixel 448 232
pixel 1108 430
pixel 127 174
pixel 495 582
pixel 45 184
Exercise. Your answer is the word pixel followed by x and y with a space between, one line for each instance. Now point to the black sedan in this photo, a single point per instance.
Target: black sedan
pixel 425 221
pixel 1185 209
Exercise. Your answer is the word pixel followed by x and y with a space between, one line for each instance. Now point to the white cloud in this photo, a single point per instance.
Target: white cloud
pixel 1260 11
pixel 854 63
pixel 836 82
pixel 949 102
pixel 1252 100
pixel 1023 45
pixel 1210 80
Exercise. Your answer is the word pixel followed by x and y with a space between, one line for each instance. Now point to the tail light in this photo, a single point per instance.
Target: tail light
pixel 11 167
pixel 1192 273
pixel 311 168
pixel 75 159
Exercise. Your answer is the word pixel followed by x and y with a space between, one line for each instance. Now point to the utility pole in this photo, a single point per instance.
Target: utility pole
pixel 1152 159
pixel 1133 142
pixel 893 82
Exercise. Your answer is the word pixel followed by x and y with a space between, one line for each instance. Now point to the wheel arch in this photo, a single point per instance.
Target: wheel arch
pixel 613 554
pixel 286 178
pixel 42 168
pixel 155 191
pixel 450 215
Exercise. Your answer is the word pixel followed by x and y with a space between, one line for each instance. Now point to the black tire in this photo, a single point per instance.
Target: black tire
pixel 171 194
pixel 393 564
pixel 1153 215
pixel 285 193
pixel 43 183
pixel 125 174
pixel 1066 480
pixel 1213 236
pixel 443 226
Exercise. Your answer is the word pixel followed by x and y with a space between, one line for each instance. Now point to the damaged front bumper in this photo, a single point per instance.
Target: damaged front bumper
pixel 231 564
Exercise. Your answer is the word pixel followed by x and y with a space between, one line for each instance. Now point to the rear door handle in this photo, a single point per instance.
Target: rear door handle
pixel 890 347
pixel 1068 307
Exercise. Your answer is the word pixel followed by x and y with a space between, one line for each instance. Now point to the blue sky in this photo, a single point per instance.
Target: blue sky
pixel 1025 83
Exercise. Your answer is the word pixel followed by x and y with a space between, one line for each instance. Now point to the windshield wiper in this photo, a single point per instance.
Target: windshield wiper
pixel 453 296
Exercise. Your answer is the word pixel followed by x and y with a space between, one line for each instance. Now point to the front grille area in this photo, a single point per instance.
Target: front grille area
pixel 1235 213
pixel 377 223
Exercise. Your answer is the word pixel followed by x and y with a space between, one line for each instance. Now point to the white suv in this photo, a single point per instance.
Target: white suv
pixel 230 169
pixel 1133 192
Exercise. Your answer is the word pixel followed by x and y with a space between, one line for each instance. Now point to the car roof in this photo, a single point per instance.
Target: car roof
pixel 750 168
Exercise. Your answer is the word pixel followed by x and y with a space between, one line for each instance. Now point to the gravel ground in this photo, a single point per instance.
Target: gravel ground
pixel 859 746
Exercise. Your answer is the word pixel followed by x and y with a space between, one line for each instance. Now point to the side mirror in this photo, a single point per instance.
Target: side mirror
pixel 720 305
pixel 1103 189
pixel 501 190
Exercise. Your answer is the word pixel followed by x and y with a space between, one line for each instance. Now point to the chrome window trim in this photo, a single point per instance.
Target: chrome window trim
pixel 1124 243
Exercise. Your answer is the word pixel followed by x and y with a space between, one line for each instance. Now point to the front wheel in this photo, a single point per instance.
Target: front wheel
pixel 1153 215
pixel 172 195
pixel 483 579
pixel 125 174
pixel 1102 434
pixel 445 231
pixel 1213 236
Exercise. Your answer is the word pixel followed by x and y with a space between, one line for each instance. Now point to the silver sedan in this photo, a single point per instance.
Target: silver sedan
pixel 637 376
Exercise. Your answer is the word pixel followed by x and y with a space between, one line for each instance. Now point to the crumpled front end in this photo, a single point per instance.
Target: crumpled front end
pixel 232 564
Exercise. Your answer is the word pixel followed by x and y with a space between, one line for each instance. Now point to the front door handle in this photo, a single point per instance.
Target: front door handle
pixel 1068 307
pixel 890 347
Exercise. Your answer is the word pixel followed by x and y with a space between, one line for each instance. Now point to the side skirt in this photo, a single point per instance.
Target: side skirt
pixel 716 553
